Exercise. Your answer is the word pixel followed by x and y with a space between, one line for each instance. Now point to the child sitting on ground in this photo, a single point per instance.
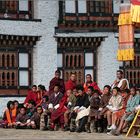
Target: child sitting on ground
pixel 22 119
pixel 9 115
pixel 35 119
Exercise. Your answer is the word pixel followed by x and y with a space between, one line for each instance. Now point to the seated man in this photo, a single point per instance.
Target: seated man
pixel 89 82
pixel 82 103
pixel 31 108
pixel 35 119
pixel 133 102
pixel 104 102
pixel 57 80
pixel 22 119
pixel 55 97
pixel 94 111
pixel 54 100
pixel 44 116
pixel 32 95
pixel 71 83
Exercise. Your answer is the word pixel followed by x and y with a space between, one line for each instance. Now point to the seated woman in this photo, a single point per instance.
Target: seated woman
pixel 9 115
pixel 115 104
pixel 133 102
pixel 35 119
pixel 22 119
pixel 116 116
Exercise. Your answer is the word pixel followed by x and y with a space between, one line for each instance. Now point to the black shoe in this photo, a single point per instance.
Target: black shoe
pixel 66 128
pixel 100 130
pixel 72 130
pixel 79 130
pixel 88 131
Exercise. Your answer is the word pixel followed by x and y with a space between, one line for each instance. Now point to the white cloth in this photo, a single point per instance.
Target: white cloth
pixel 83 113
pixel 120 83
pixel 57 106
pixel 50 106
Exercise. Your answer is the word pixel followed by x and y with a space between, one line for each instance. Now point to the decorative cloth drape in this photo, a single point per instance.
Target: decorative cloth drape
pixel 126 34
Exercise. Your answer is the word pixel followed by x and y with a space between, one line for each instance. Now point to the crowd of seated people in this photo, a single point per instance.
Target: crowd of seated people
pixel 76 108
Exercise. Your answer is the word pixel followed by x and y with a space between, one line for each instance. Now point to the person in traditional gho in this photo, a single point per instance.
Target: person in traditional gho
pixel 120 82
pixel 55 81
pixel 82 103
pixel 115 104
pixel 74 92
pixel 55 97
pixel 44 115
pixel 94 111
pixel 116 116
pixel 32 95
pixel 71 83
pixel 54 100
pixel 71 101
pixel 89 82
pixel 133 102
pixel 31 108
pixel 9 116
pixel 57 114
pixel 22 119
pixel 106 95
pixel 35 119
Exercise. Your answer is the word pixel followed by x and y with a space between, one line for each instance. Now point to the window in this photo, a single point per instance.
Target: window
pixel 82 6
pixel 70 6
pixel 99 6
pixel 132 68
pixel 15 70
pixel 79 56
pixel 16 9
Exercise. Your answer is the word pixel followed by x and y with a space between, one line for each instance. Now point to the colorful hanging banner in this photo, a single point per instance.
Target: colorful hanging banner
pixel 126 34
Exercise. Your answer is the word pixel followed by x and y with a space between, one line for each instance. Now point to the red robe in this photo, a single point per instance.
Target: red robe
pixel 60 111
pixel 93 84
pixel 55 81
pixel 31 96
pixel 70 85
pixel 135 2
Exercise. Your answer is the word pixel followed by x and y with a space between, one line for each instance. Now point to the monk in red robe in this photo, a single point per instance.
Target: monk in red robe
pixel 89 82
pixel 32 95
pixel 71 83
pixel 55 81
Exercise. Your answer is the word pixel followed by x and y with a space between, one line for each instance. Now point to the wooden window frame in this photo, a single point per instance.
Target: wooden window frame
pixel 17 14
pixel 17 87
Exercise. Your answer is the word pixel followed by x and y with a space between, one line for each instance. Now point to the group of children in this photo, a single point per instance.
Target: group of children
pixel 79 108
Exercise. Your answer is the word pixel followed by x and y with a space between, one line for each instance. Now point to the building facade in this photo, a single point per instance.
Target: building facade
pixel 81 36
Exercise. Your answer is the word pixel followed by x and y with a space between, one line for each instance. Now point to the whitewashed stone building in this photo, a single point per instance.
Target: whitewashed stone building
pixel 39 36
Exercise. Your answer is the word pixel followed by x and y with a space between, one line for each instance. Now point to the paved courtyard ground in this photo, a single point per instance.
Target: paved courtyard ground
pixel 12 134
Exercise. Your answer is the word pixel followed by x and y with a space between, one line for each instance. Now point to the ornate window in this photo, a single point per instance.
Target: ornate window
pixel 78 55
pixel 16 64
pixel 100 6
pixel 15 9
pixel 132 68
